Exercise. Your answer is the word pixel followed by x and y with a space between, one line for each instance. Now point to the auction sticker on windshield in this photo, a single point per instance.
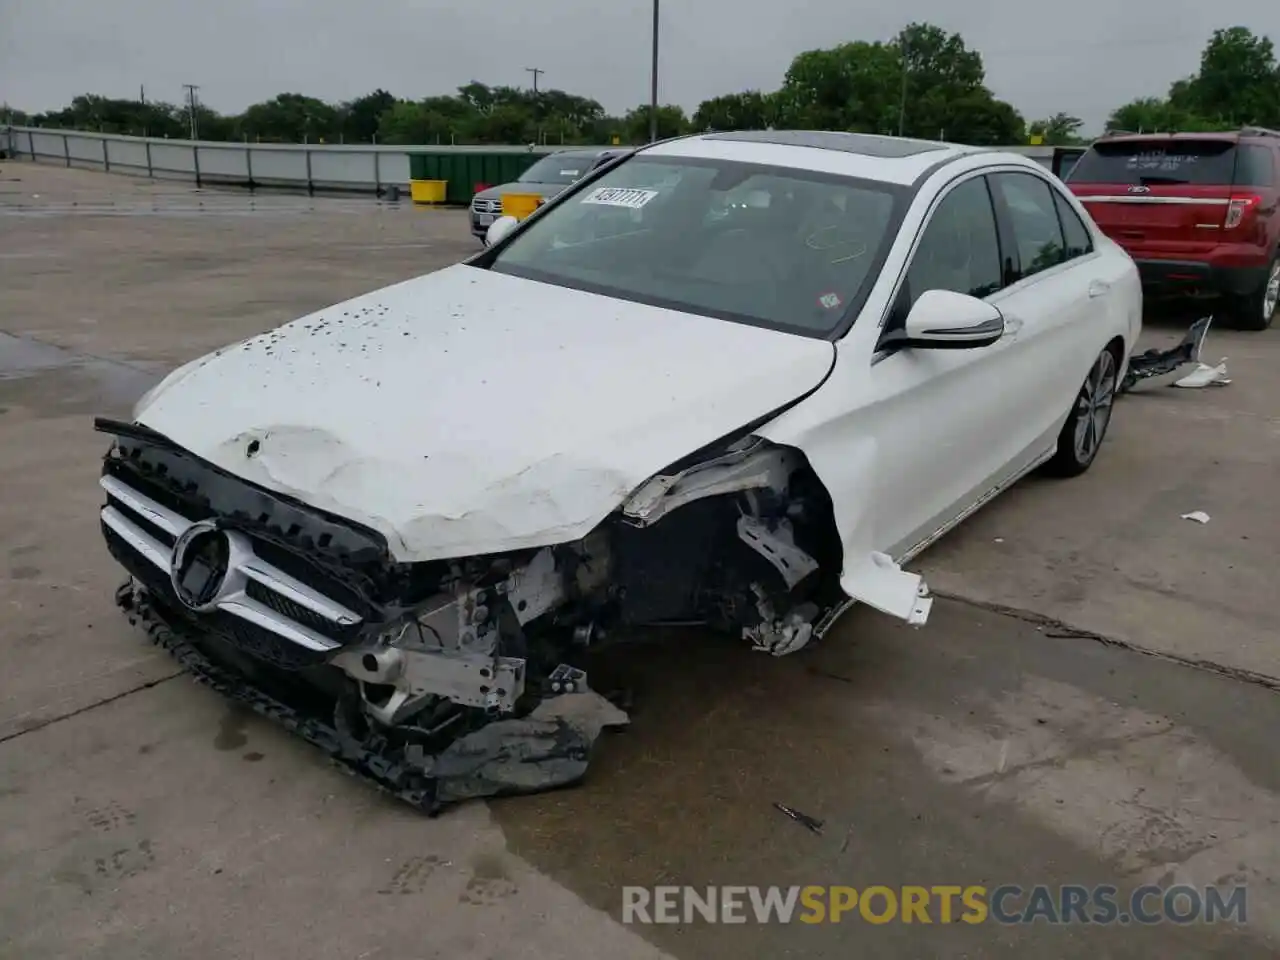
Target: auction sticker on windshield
pixel 620 197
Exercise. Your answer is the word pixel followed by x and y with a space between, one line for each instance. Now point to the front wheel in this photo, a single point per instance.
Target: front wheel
pixel 1086 425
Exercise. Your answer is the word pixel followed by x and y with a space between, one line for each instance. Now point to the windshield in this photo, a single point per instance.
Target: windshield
pixel 1155 162
pixel 774 247
pixel 558 168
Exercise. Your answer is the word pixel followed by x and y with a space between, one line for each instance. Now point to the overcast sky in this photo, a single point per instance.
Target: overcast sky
pixel 1084 57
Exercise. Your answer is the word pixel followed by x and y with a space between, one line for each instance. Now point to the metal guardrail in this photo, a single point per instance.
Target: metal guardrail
pixel 364 167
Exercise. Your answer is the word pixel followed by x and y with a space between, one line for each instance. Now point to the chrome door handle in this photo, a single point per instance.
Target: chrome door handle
pixel 1098 288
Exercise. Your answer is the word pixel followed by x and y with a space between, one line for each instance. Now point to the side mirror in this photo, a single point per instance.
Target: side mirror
pixel 499 229
pixel 946 320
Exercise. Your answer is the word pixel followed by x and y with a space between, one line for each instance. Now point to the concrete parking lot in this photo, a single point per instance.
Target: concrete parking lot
pixel 1094 702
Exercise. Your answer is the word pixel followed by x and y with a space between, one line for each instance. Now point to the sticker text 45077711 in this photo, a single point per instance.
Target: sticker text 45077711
pixel 620 197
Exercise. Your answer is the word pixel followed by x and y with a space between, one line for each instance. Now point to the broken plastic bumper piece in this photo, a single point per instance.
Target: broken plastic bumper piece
pixel 1165 368
pixel 879 582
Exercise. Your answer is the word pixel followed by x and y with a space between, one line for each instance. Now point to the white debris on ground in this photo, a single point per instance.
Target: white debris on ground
pixel 1199 516
pixel 1206 376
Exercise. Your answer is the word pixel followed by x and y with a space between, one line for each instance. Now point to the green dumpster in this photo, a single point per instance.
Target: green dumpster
pixel 463 170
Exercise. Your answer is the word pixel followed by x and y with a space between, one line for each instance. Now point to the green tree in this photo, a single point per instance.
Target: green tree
pixel 671 123
pixel 1153 115
pixel 946 93
pixel 853 86
pixel 410 122
pixel 359 117
pixel 1237 83
pixel 749 110
pixel 291 118
pixel 926 83
pixel 1059 130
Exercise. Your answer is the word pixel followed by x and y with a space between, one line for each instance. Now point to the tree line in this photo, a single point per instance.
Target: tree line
pixel 924 83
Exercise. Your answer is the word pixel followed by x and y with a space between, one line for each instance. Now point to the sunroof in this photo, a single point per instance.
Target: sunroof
pixel 865 143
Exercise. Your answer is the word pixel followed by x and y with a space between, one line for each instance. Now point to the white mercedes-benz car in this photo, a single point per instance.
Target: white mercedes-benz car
pixel 736 379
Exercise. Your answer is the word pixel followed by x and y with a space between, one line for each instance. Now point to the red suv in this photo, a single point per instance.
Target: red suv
pixel 1198 212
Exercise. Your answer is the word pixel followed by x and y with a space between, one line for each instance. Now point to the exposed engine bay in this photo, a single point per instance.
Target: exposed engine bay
pixel 458 678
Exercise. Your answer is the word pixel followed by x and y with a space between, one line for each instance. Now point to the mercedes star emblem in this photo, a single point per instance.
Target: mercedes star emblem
pixel 199 566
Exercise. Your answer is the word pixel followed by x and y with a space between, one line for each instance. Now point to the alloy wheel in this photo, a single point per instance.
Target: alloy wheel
pixel 1271 295
pixel 1093 406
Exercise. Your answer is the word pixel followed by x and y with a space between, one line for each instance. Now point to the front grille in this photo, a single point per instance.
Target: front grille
pixel 262 609
pixel 262 644
pixel 298 613
pixel 486 206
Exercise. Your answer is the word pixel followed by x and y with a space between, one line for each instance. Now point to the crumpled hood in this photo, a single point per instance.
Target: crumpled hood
pixel 466 412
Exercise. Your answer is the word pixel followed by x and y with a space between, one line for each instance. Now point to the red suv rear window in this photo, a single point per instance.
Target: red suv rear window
pixel 1154 162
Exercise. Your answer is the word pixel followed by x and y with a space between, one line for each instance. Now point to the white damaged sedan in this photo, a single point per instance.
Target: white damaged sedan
pixel 734 379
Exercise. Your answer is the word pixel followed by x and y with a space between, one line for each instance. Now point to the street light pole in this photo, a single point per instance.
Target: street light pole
pixel 653 80
pixel 902 102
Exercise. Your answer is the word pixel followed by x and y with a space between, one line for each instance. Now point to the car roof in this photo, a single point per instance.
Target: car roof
pixel 899 160
pixel 576 153
pixel 1230 137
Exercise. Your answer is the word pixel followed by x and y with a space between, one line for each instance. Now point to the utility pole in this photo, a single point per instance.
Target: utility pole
pixel 191 89
pixel 653 80
pixel 142 94
pixel 902 102
pixel 535 71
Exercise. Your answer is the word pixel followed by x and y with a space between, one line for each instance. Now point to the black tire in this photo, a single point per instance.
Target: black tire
pixel 1086 426
pixel 1258 309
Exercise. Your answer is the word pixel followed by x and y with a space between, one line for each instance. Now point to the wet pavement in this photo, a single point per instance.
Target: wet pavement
pixel 144 817
pixel 52 378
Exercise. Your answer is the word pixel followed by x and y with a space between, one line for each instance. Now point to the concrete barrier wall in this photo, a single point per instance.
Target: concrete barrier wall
pixel 366 167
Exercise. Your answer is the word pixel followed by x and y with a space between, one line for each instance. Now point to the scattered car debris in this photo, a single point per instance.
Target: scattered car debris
pixel 1199 516
pixel 1206 376
pixel 1162 368
pixel 547 749
pixel 803 819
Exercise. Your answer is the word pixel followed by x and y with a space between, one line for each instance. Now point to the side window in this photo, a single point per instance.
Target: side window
pixel 1074 232
pixel 1254 166
pixel 959 249
pixel 1034 218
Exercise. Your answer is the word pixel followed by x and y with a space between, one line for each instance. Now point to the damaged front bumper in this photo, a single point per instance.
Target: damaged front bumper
pixel 548 748
pixel 452 679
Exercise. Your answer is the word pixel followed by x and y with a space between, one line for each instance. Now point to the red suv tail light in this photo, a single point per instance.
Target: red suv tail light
pixel 1238 207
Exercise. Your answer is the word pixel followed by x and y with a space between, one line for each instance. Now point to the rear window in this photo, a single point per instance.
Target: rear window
pixel 1254 167
pixel 562 168
pixel 1155 162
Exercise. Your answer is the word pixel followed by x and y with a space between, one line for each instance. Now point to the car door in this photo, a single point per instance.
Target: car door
pixel 1055 301
pixel 945 421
